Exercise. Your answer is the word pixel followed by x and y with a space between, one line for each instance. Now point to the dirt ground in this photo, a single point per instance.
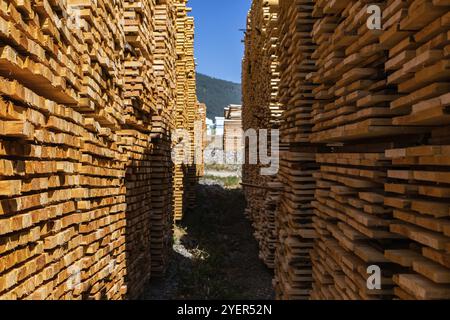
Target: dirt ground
pixel 215 255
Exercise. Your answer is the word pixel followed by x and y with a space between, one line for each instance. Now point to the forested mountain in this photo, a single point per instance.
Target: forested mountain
pixel 217 94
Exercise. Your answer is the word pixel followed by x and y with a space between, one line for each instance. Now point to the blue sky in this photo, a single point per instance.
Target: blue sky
pixel 218 46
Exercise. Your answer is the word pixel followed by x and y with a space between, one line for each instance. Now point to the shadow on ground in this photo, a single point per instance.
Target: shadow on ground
pixel 215 255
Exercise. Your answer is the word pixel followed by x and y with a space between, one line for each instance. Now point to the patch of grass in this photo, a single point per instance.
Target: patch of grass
pixel 231 182
pixel 227 182
pixel 223 167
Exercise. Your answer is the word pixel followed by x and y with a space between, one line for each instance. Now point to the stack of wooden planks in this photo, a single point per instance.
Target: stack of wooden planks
pixel 162 127
pixel 352 223
pixel 365 177
pixel 140 107
pixel 353 110
pixel 293 272
pixel 87 92
pixel 186 112
pixel 417 38
pixel 181 107
pixel 261 111
pixel 201 139
pixel 417 188
pixel 370 80
pixel 193 124
pixel 233 132
pixel 294 223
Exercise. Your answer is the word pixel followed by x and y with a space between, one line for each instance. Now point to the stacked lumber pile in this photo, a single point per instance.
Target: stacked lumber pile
pixel 418 42
pixel 294 223
pixel 418 187
pixel 293 272
pixel 261 111
pixel 367 93
pixel 365 177
pixel 353 72
pixel 85 196
pixel 184 178
pixel 102 60
pixel 180 117
pixel 139 99
pixel 201 139
pixel 63 198
pixel 192 109
pixel 353 109
pixel 352 223
pixel 102 103
pixel 164 59
pixel 232 132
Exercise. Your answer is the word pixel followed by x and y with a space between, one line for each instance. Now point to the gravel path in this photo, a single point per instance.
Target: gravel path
pixel 215 255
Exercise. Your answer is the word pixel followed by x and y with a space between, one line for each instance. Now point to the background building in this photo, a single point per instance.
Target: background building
pixel 233 132
pixel 219 126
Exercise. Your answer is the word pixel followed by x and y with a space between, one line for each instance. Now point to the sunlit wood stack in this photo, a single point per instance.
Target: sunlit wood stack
pixel 83 214
pixel 63 198
pixel 163 125
pixel 351 221
pixel 261 111
pixel 232 130
pixel 418 39
pixel 185 174
pixel 102 58
pixel 139 106
pixel 201 140
pixel 293 272
pixel 102 103
pixel 192 110
pixel 366 116
pixel 366 105
pixel 418 187
pixel 181 108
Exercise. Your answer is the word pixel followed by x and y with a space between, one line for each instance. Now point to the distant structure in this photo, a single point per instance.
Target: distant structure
pixel 233 132
pixel 225 137
pixel 219 126
pixel 210 127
